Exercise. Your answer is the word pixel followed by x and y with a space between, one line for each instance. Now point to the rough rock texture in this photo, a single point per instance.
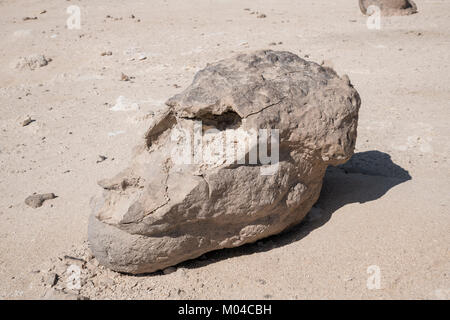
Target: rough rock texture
pixel 389 7
pixel 159 212
pixel 36 200
pixel 32 62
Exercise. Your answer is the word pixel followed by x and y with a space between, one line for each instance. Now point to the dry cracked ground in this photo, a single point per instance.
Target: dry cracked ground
pixel 387 211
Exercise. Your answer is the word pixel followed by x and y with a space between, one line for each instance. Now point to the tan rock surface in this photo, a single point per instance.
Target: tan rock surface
pixel 158 212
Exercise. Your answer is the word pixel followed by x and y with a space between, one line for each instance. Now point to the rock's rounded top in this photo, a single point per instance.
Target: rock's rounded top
pixel 248 83
pixel 307 102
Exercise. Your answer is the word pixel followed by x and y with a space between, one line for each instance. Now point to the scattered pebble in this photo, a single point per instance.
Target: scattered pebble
pixel 29 18
pixel 115 19
pixel 275 43
pixel 27 121
pixel 261 16
pixel 101 158
pixel 142 56
pixel 106 53
pixel 36 200
pixel 124 77
pixel 347 279
pixel 51 279
pixel 32 62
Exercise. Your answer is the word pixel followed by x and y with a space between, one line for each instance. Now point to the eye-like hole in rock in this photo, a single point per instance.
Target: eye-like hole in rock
pixel 226 120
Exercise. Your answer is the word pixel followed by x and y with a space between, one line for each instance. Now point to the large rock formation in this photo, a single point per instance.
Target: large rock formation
pixel 389 7
pixel 170 206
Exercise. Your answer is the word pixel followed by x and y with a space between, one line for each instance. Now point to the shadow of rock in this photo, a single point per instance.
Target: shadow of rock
pixel 367 176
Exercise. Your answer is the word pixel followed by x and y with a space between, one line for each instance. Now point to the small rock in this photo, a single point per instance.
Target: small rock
pixel 124 77
pixel 27 121
pixel 36 200
pixel 101 158
pixel 106 53
pixel 43 11
pixel 347 279
pixel 29 18
pixel 51 279
pixel 142 56
pixel 261 16
pixel 180 292
pixel 32 62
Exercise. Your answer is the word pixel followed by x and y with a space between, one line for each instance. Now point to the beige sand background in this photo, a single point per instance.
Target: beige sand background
pixel 391 209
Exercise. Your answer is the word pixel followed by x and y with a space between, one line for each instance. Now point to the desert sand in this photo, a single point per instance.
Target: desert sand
pixel 386 210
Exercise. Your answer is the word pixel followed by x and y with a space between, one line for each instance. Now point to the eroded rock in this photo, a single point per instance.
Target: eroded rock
pixel 32 62
pixel 161 211
pixel 36 200
pixel 389 7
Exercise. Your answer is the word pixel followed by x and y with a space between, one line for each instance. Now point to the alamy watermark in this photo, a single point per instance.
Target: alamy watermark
pixel 374 20
pixel 230 146
pixel 74 277
pixel 374 279
pixel 74 20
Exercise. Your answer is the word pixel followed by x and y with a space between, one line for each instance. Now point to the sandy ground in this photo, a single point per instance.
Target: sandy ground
pixel 388 208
